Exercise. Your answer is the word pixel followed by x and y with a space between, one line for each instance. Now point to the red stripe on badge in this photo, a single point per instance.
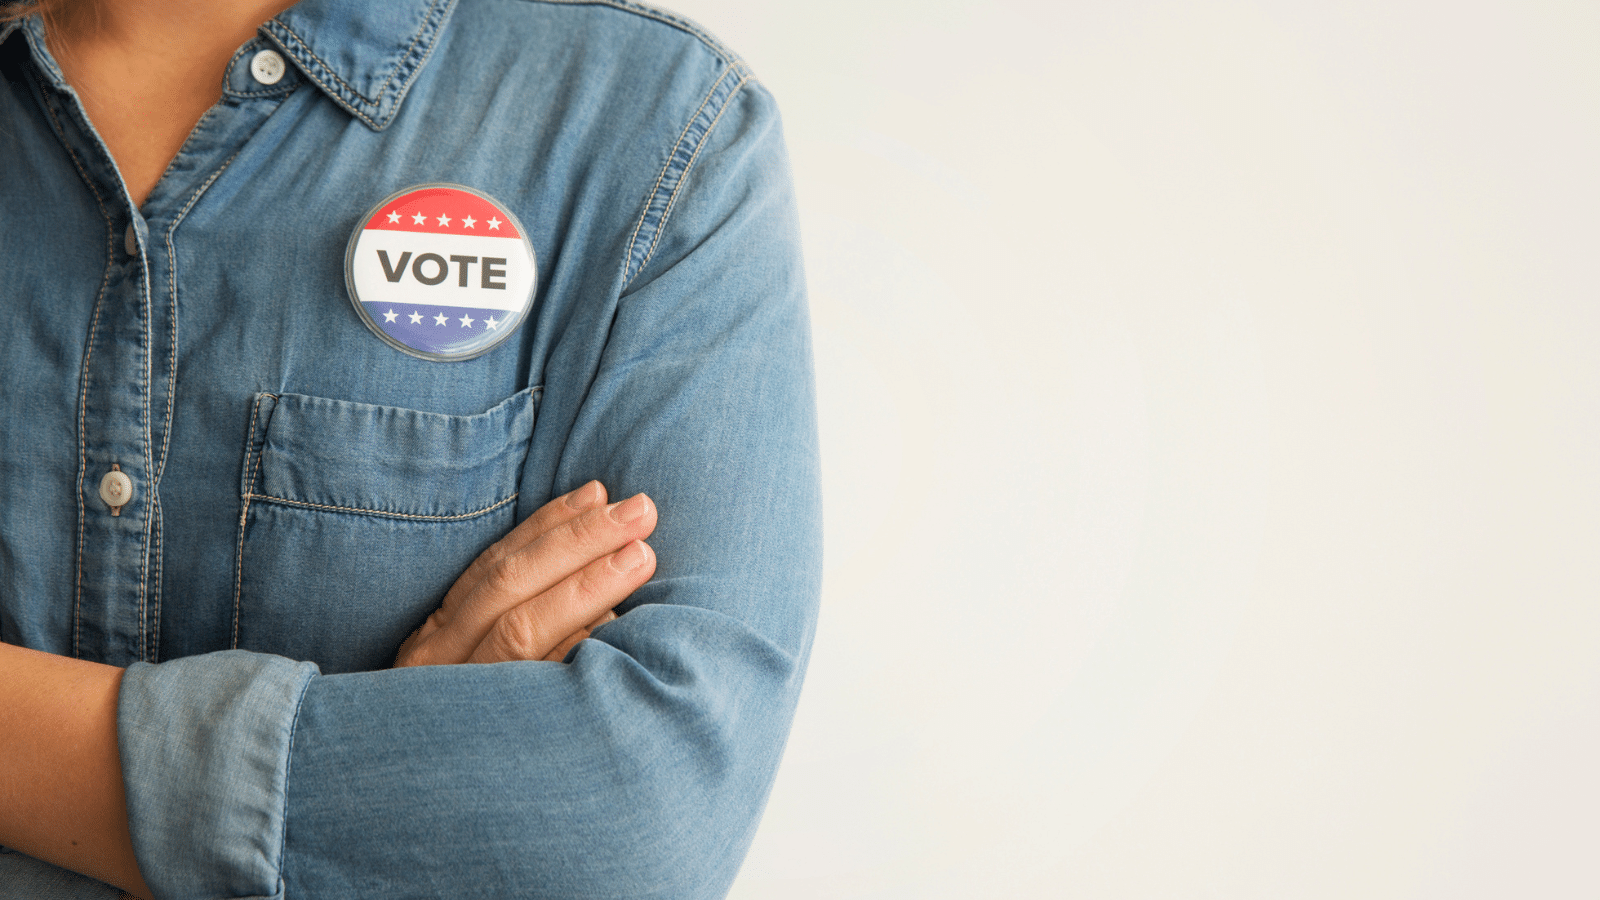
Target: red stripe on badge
pixel 443 210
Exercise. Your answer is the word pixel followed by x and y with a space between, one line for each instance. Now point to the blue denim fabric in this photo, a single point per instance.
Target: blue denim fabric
pixel 304 493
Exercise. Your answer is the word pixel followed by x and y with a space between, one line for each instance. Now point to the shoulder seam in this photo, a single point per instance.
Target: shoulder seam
pixel 660 15
pixel 664 192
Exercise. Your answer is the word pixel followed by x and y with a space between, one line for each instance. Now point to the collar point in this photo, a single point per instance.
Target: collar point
pixel 373 74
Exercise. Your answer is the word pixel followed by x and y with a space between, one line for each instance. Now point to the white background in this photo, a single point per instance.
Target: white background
pixel 1209 406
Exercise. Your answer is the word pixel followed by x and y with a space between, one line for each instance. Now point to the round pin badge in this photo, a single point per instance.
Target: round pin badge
pixel 440 271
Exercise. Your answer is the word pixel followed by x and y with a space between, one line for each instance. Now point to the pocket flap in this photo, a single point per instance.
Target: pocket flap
pixel 387 460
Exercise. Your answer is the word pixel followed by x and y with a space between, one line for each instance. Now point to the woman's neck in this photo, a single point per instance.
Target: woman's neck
pixel 147 70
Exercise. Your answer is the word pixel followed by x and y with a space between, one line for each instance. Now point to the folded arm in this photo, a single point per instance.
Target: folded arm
pixel 637 769
pixel 640 767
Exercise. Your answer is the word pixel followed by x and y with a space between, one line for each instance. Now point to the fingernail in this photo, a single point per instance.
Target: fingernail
pixel 586 496
pixel 630 557
pixel 630 509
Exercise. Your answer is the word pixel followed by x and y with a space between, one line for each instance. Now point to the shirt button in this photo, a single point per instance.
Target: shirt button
pixel 116 489
pixel 130 241
pixel 267 67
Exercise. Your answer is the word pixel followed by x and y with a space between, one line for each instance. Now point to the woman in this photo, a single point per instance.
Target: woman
pixel 260 428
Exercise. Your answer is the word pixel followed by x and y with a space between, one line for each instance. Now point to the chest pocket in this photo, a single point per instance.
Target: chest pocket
pixel 357 518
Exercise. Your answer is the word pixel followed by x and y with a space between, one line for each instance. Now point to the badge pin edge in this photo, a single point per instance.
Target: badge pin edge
pixel 372 325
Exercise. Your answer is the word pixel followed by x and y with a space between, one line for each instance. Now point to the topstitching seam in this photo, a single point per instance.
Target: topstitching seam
pixel 681 174
pixel 158 469
pixel 247 490
pixel 153 647
pixel 666 214
pixel 344 86
pixel 672 155
pixel 147 352
pixel 268 498
pixel 83 377
pixel 172 289
pixel 430 26
pixel 324 73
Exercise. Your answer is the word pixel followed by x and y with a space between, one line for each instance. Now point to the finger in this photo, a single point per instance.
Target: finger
pixel 541 565
pixel 558 511
pixel 533 629
pixel 587 631
pixel 561 650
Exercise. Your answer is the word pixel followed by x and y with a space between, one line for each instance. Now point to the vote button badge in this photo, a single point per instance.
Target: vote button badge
pixel 441 271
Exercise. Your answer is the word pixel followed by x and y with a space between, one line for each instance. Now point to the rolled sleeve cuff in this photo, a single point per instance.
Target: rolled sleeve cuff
pixel 205 755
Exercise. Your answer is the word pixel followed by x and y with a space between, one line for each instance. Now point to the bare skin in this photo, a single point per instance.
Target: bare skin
pixel 61 791
pixel 532 596
pixel 538 591
pixel 146 71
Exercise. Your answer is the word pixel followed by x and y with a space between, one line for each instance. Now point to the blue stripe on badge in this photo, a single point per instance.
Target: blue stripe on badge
pixel 443 330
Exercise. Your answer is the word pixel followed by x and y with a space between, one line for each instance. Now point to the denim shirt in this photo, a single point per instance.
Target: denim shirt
pixel 303 493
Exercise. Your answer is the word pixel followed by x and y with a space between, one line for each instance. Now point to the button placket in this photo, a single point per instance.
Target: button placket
pixel 128 373
pixel 110 612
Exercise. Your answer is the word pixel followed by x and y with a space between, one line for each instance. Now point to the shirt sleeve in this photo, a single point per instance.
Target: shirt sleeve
pixel 640 766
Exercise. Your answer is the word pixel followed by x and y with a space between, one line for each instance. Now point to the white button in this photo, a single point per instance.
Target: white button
pixel 267 67
pixel 130 241
pixel 116 489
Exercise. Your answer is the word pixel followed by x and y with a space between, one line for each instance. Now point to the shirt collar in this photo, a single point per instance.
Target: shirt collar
pixel 32 28
pixel 364 54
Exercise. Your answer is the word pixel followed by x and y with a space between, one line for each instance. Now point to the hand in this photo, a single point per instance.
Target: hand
pixel 544 586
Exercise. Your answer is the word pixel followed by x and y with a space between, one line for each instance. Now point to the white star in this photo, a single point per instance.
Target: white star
pixel 389 316
pixel 469 222
pixel 394 217
pixel 418 219
pixel 416 318
pixel 440 319
pixel 491 324
pixel 466 321
pixel 444 220
pixel 494 224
